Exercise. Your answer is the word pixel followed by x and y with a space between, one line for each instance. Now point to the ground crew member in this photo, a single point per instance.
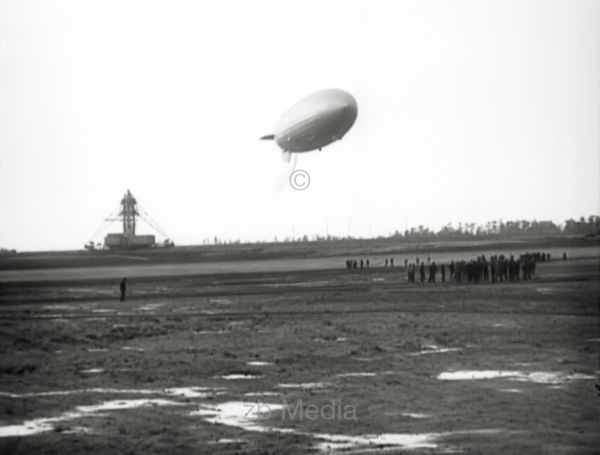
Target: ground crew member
pixel 123 288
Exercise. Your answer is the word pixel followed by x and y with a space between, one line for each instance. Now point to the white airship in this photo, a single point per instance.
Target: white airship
pixel 315 122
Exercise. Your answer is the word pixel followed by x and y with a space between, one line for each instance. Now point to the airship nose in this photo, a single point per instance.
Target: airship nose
pixel 349 107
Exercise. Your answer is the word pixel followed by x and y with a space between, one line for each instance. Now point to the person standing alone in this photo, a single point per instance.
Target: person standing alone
pixel 123 288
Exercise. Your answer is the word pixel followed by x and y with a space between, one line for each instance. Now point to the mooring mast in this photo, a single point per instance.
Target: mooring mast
pixel 128 213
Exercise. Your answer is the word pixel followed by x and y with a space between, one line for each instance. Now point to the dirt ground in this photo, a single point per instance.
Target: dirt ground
pixel 316 361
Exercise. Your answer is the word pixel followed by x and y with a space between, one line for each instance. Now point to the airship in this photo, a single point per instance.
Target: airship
pixel 315 122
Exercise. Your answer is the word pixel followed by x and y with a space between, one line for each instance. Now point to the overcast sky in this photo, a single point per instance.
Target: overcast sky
pixel 468 111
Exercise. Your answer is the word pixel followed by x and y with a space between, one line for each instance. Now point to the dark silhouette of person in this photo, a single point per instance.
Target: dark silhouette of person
pixel 443 271
pixel 123 288
pixel 392 262
pixel 432 272
pixel 422 272
pixel 368 263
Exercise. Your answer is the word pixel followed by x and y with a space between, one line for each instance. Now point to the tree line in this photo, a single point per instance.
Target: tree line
pixel 492 230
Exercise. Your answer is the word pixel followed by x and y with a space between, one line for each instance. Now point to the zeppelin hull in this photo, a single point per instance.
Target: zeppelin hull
pixel 316 121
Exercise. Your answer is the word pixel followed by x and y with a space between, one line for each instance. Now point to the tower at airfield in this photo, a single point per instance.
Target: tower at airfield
pixel 128 217
pixel 128 213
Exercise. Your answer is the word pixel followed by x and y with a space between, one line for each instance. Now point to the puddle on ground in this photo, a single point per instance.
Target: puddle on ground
pixel 433 349
pixel 42 425
pixel 194 392
pixel 545 291
pixel 305 385
pixel 511 390
pixel 184 309
pixel 341 339
pixel 103 310
pixel 253 417
pixel 306 284
pixel 150 306
pixel 132 348
pixel 93 371
pixel 356 374
pixel 389 441
pixel 79 430
pixel 539 377
pixel 262 394
pixel 414 415
pixel 97 350
pixel 240 376
pixel 228 441
pixel 189 392
pixel 378 279
pixel 258 363
pixel 220 301
pixel 240 414
pixel 365 359
pixel 210 332
pixel 58 307
pixel 380 442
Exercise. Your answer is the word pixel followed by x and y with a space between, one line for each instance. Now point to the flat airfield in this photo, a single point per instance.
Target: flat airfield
pixel 299 356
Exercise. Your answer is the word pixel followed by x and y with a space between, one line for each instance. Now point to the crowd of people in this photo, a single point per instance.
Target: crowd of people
pixel 497 268
pixel 366 263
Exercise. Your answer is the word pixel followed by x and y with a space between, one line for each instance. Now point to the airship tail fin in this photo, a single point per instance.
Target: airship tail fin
pixel 268 137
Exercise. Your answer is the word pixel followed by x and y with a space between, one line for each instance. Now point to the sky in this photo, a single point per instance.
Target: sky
pixel 467 111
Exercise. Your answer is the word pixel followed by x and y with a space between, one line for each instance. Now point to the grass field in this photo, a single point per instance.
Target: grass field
pixel 302 361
